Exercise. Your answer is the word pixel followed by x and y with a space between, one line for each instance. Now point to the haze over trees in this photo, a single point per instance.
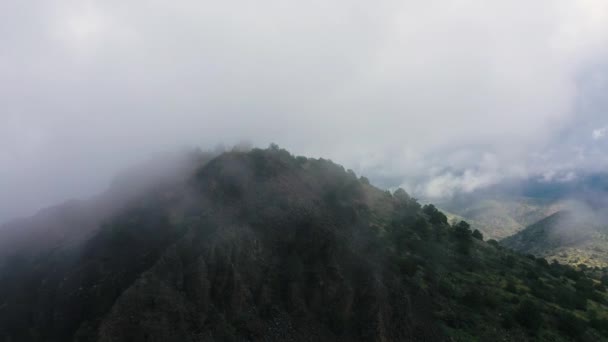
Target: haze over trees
pixel 442 174
pixel 264 245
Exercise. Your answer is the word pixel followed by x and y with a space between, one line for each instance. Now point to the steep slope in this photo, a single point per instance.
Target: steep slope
pixel 255 245
pixel 75 221
pixel 567 236
pixel 264 246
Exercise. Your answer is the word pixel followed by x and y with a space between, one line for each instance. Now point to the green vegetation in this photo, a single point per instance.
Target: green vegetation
pixel 263 245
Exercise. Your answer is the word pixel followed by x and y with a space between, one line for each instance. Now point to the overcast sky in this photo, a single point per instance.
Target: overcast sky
pixel 437 96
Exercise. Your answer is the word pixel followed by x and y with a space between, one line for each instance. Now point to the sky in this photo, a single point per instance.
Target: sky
pixel 438 97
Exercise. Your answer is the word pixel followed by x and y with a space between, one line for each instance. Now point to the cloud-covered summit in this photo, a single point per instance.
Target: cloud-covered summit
pixel 439 96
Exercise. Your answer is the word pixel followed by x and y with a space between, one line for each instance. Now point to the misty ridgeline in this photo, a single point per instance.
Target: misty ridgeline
pixel 260 245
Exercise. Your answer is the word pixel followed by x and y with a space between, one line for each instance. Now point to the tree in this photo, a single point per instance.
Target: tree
pixel 584 285
pixel 511 286
pixel 542 262
pixel 569 299
pixel 462 231
pixel 571 325
pixel 572 274
pixel 599 324
pixel 473 298
pixel 421 226
pixel 604 280
pixel 510 261
pixel 528 315
pixel 408 205
pixel 401 195
pixel 478 235
pixel 435 216
pixel 493 243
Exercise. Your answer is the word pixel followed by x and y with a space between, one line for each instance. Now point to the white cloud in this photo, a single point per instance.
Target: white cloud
pixel 448 184
pixel 395 88
pixel 599 133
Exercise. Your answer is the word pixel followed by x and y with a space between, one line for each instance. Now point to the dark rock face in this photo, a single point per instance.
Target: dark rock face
pixel 257 246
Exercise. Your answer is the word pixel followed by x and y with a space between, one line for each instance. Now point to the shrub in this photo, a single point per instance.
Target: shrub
pixel 508 321
pixel 407 266
pixel 569 299
pixel 542 262
pixel 540 290
pixel 532 275
pixel 572 274
pixel 600 287
pixel 509 261
pixel 584 285
pixel 604 280
pixel 570 324
pixel 600 325
pixel 510 287
pixel 472 298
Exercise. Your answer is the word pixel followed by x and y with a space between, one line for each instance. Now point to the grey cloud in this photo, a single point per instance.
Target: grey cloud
pixel 436 95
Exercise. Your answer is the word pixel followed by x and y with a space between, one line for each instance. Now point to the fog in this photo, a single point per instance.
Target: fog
pixel 437 96
pixel 581 221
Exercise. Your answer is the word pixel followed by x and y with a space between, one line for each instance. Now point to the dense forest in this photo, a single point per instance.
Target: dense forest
pixel 262 245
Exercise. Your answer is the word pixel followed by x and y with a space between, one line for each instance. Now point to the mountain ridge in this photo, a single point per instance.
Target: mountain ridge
pixel 266 246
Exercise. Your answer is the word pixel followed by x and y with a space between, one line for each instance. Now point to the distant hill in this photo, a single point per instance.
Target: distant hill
pixel 563 221
pixel 508 207
pixel 498 217
pixel 569 236
pixel 266 246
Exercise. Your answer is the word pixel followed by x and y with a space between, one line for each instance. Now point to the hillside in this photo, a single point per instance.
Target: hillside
pixel 75 221
pixel 566 236
pixel 499 216
pixel 265 246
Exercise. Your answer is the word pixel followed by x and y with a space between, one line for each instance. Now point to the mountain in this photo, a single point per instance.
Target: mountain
pixel 574 236
pixel 266 246
pixel 75 221
pixel 498 216
pixel 559 220
pixel 508 207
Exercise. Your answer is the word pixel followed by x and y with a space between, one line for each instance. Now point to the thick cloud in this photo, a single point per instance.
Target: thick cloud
pixel 438 96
